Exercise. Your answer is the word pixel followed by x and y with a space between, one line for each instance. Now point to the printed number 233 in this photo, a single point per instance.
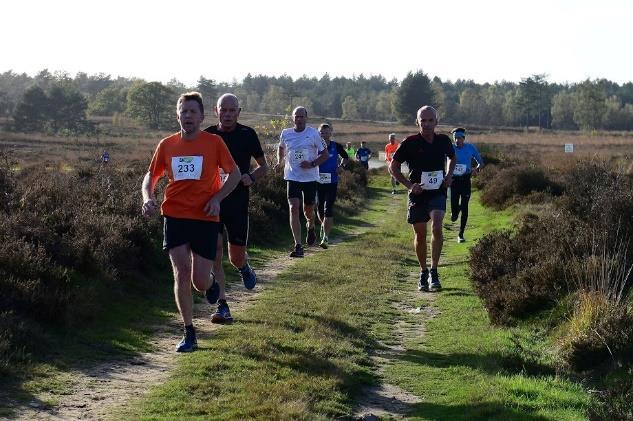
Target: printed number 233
pixel 186 168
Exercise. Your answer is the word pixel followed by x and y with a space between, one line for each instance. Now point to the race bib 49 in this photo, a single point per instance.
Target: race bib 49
pixel 432 180
pixel 186 167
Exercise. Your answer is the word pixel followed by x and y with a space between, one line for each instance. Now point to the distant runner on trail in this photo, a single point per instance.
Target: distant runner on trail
pixel 426 154
pixel 351 151
pixel 460 188
pixel 363 155
pixel 301 151
pixel 243 144
pixel 390 149
pixel 192 160
pixel 328 182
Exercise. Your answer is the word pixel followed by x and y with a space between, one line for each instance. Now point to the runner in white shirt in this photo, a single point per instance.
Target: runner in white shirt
pixel 301 150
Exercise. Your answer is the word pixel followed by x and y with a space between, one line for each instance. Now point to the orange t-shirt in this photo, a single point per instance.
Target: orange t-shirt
pixel 192 167
pixel 390 150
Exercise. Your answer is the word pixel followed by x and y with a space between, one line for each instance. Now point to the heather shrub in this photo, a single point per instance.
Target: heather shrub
pixel 597 194
pixel 510 185
pixel 518 273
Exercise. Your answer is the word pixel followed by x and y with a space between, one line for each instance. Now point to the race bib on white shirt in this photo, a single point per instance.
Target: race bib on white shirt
pixel 364 158
pixel 432 180
pixel 298 155
pixel 325 178
pixel 460 169
pixel 186 167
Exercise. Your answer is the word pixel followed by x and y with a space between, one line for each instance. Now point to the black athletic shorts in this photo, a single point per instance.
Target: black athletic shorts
pixel 234 217
pixel 200 235
pixel 326 194
pixel 420 207
pixel 307 188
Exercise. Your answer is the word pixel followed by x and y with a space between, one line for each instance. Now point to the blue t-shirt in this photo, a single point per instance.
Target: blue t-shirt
pixel 330 166
pixel 362 154
pixel 465 156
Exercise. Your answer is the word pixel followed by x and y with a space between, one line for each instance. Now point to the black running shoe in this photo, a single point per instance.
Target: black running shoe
pixel 435 280
pixel 423 283
pixel 213 293
pixel 298 252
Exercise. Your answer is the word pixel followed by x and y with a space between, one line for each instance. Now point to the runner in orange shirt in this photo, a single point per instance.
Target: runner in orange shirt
pixel 191 159
pixel 390 149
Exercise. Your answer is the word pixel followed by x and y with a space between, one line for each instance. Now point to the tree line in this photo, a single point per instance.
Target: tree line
pixel 58 101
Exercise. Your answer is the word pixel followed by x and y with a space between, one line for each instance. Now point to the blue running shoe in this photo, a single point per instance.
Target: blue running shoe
pixel 248 276
pixel 189 342
pixel 223 314
pixel 213 293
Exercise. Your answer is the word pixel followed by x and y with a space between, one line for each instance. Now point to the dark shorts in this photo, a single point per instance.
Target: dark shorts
pixel 298 189
pixel 200 235
pixel 420 208
pixel 326 194
pixel 234 217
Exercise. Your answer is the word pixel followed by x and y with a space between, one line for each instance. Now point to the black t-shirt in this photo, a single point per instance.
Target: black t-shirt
pixel 243 144
pixel 421 155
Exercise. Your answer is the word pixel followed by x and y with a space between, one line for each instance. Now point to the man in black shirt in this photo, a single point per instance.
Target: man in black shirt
pixel 426 153
pixel 243 144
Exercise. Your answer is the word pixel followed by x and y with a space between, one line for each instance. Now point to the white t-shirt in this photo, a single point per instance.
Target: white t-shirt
pixel 300 146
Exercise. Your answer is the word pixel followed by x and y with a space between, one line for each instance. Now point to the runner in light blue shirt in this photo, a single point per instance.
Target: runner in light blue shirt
pixel 460 188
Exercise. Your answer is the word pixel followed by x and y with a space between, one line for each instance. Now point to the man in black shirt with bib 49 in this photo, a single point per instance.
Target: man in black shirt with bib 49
pixel 426 154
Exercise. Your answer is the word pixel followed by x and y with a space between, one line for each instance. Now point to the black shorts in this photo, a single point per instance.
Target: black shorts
pixel 202 236
pixel 420 208
pixel 307 189
pixel 234 217
pixel 326 194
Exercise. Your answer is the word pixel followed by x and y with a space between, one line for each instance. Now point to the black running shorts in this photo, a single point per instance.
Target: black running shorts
pixel 234 217
pixel 326 194
pixel 420 209
pixel 297 188
pixel 200 235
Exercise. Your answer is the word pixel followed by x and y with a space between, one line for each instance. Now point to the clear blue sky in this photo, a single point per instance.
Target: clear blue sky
pixel 485 41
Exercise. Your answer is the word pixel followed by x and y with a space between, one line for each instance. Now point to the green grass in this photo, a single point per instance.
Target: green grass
pixel 302 350
pixel 462 367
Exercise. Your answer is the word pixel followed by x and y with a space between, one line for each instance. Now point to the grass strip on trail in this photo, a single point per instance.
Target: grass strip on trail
pixel 302 349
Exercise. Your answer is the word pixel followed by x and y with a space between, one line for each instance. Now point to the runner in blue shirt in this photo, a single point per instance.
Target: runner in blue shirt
pixel 460 189
pixel 363 155
pixel 328 181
